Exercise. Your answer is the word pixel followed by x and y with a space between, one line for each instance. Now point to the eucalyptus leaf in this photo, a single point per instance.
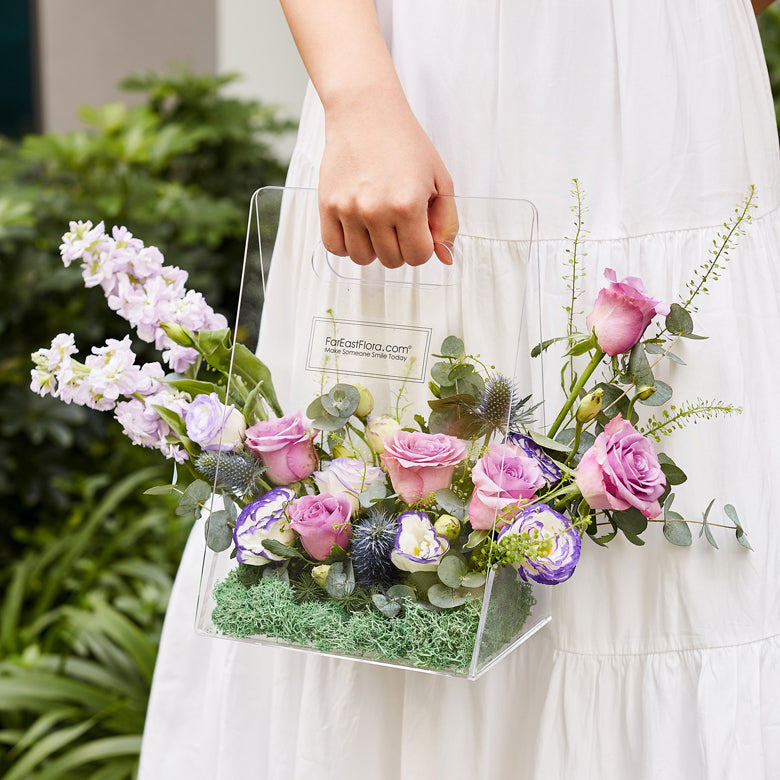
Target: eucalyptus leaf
pixel 539 348
pixel 654 348
pixel 731 513
pixel 402 592
pixel 219 535
pixel 340 581
pixel 662 394
pixel 452 346
pixel 451 571
pixel 450 502
pixel 440 373
pixel 459 373
pixel 386 606
pixel 376 491
pixel 473 579
pixel 447 598
pixel 341 401
pixel 709 537
pixel 742 539
pixel 314 409
pixel 193 498
pixel 613 402
pixel 678 532
pixel 277 571
pixel 639 367
pixel 679 321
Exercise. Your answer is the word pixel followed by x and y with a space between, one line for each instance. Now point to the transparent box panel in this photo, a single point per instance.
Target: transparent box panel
pixel 319 321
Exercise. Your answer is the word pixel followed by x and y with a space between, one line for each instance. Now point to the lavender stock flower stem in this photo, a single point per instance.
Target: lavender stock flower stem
pixel 584 377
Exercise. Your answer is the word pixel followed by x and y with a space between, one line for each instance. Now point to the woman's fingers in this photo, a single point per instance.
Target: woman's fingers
pixel 443 223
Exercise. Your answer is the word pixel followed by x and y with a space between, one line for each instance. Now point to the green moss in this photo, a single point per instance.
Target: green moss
pixel 420 637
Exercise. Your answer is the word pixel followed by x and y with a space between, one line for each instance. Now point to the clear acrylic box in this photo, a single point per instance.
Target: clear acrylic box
pixel 327 321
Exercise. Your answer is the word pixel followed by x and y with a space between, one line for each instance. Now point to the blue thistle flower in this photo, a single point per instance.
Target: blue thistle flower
pixel 373 538
pixel 499 403
pixel 237 472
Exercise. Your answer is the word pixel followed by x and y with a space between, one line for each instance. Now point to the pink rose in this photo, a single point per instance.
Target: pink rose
pixel 621 470
pixel 284 445
pixel 503 476
pixel 322 522
pixel 421 463
pixel 622 313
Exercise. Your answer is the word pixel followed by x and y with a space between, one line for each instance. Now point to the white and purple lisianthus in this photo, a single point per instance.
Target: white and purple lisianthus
pixel 560 544
pixel 417 545
pixel 263 518
pixel 547 465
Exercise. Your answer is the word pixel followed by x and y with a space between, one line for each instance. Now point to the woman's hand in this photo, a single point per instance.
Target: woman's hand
pixel 380 185
pixel 381 178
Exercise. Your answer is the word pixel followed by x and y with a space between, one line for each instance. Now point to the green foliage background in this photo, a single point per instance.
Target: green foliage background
pixel 86 561
pixel 80 617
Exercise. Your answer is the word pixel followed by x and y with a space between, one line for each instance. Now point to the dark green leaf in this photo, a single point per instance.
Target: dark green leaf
pixel 581 347
pixel 631 521
pixel 674 474
pixel 194 387
pixel 282 550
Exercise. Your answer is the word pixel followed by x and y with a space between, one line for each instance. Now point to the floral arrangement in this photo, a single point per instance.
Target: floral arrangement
pixel 349 522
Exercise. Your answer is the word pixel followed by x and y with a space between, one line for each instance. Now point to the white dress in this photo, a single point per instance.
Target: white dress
pixel 661 662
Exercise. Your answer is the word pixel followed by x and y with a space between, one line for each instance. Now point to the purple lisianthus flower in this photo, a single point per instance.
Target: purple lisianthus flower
pixel 547 465
pixel 213 425
pixel 263 518
pixel 417 545
pixel 561 544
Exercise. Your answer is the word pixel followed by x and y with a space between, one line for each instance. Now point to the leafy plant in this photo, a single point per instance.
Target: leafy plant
pixel 178 169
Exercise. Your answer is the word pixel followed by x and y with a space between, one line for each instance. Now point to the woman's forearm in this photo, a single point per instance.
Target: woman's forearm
pixel 380 176
pixel 341 45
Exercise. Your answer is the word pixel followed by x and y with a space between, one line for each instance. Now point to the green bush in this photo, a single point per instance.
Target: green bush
pixel 178 171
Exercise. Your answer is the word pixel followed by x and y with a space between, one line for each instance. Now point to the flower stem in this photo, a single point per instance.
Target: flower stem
pixel 584 377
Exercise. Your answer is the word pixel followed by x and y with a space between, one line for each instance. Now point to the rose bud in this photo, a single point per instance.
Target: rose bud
pixel 379 428
pixel 448 527
pixel 590 406
pixel 366 405
pixel 644 392
pixel 320 573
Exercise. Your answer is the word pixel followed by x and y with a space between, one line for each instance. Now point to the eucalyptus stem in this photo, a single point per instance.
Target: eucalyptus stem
pixel 584 377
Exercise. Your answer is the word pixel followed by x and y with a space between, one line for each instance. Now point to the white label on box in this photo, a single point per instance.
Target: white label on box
pixel 368 349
